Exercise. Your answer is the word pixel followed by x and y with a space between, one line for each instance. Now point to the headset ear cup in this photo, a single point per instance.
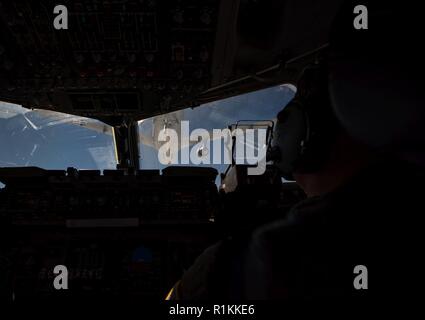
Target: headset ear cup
pixel 322 132
pixel 291 129
pixel 311 150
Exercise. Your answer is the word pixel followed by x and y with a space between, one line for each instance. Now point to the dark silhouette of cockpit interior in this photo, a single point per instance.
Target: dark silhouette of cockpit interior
pixel 131 233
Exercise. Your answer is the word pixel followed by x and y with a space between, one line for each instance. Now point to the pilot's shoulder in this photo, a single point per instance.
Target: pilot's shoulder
pixel 194 283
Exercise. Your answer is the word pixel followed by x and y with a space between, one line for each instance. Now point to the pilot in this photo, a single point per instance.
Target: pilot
pixel 312 253
pixel 353 139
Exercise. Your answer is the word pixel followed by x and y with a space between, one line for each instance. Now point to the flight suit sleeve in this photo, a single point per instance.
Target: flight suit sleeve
pixel 196 281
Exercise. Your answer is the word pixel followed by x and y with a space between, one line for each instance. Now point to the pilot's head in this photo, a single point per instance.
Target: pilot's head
pixel 368 93
pixel 311 146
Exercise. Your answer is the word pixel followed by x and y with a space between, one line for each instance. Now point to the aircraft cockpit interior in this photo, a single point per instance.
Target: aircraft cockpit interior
pixel 209 150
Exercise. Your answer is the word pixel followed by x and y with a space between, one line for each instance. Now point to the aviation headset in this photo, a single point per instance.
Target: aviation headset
pixel 306 127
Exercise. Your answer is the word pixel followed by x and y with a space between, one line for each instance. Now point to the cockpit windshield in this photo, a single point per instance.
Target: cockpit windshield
pixel 258 105
pixel 53 140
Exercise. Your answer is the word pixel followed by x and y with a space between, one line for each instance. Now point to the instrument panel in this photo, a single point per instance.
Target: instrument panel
pixel 127 59
pixel 122 234
pixel 87 198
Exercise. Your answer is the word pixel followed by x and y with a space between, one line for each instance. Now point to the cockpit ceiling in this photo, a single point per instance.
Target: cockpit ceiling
pixel 135 59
